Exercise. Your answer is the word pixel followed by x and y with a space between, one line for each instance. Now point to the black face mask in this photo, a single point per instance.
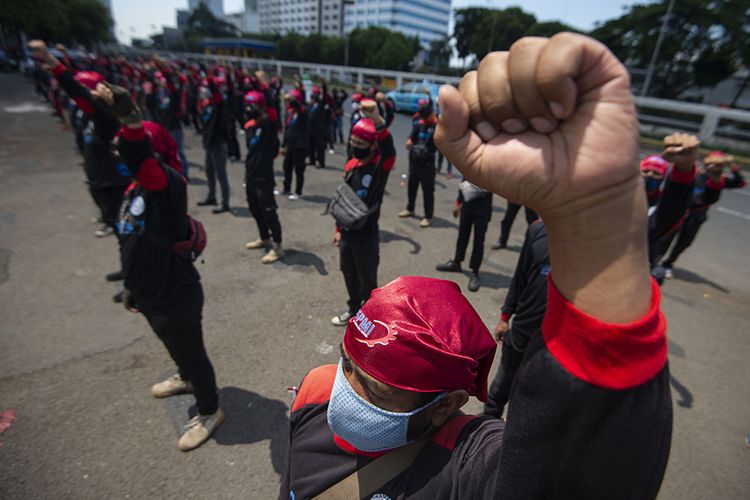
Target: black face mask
pixel 252 112
pixel 425 112
pixel 651 184
pixel 360 153
pixel 294 103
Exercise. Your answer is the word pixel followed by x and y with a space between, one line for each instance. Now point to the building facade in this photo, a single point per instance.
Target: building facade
pixel 247 21
pixel 215 6
pixel 301 16
pixel 425 19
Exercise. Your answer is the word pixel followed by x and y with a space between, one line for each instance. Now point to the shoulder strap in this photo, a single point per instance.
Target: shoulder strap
pixel 363 482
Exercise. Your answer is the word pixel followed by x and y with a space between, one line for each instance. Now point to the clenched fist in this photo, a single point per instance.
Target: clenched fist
pixel 551 124
pixel 682 150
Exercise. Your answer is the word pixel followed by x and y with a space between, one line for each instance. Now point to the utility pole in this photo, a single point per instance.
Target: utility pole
pixel 655 55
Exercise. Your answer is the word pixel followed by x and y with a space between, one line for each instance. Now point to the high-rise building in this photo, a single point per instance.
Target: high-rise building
pixel 301 16
pixel 425 19
pixel 215 6
pixel 247 21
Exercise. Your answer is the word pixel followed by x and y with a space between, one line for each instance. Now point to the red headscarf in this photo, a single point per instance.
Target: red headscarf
pixel 421 334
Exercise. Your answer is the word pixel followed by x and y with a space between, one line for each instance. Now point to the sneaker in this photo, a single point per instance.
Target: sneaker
pixel 474 281
pixel 425 222
pixel 451 267
pixel 221 209
pixel 331 151
pixel 668 274
pixel 274 254
pixel 405 213
pixel 499 245
pixel 199 429
pixel 294 197
pixel 449 175
pixel 342 319
pixel 117 298
pixel 207 202
pixel 276 192
pixel 97 220
pixel 173 385
pixel 115 276
pixel 103 231
pixel 259 243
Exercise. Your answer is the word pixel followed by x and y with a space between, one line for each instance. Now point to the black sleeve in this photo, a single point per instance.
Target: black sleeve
pixel 106 123
pixel 523 268
pixel 734 180
pixel 671 208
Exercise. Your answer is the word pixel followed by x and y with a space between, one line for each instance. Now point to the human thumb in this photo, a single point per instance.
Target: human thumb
pixel 453 137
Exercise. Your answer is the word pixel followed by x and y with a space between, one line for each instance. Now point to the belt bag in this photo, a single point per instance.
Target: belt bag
pixel 349 210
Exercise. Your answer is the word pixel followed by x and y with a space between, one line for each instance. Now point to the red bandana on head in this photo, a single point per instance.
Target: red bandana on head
pixel 421 334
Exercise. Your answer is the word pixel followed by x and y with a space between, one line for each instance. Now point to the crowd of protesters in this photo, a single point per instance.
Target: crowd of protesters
pixel 583 382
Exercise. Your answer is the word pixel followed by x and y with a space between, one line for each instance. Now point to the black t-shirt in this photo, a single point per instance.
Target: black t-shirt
pixel 157 277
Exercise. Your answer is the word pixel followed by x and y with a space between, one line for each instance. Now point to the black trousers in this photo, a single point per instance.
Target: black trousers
pixel 476 214
pixel 510 215
pixel 318 148
pixel 359 263
pixel 263 207
pixel 294 161
pixel 499 392
pixel 685 236
pixel 181 332
pixel 108 200
pixel 422 174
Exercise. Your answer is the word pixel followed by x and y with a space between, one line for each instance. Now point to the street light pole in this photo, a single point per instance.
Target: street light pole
pixel 655 55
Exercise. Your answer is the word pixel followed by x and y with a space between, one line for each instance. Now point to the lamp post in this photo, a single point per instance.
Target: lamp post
pixel 657 48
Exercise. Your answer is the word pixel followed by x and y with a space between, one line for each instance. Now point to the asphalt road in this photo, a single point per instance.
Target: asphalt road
pixel 77 369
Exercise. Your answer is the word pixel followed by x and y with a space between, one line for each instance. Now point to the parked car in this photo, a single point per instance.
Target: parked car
pixel 406 97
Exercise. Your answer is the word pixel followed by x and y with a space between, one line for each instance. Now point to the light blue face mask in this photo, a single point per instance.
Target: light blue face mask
pixel 361 423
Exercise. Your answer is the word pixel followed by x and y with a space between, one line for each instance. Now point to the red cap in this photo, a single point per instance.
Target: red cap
pixel 365 130
pixel 422 102
pixel 421 334
pixel 654 162
pixel 315 89
pixel 163 144
pixel 296 95
pixel 255 97
pixel 356 97
pixel 89 79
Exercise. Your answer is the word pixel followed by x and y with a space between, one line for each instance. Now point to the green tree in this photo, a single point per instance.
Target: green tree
pixel 479 31
pixel 82 21
pixel 202 23
pixel 705 42
pixel 440 52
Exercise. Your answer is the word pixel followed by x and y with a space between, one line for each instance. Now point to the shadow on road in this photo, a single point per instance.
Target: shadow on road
pixel 494 280
pixel 387 237
pixel 686 397
pixel 691 277
pixel 439 222
pixel 315 198
pixel 250 418
pixel 294 257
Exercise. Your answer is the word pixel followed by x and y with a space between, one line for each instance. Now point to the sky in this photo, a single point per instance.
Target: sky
pixel 140 18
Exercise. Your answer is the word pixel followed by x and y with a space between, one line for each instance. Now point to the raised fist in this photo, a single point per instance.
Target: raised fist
pixel 553 125
pixel 682 150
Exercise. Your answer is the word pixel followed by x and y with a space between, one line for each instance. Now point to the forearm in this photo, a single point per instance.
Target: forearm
pixel 599 256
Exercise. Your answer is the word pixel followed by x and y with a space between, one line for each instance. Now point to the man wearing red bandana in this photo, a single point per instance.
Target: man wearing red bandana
pixel 590 414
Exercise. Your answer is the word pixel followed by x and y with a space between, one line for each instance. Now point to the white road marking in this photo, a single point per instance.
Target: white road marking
pixel 26 107
pixel 743 192
pixel 736 213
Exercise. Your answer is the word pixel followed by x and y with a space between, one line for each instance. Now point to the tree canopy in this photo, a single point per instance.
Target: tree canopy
pixel 705 42
pixel 73 21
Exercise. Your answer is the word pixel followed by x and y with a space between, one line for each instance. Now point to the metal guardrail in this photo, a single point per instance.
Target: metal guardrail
pixel 714 126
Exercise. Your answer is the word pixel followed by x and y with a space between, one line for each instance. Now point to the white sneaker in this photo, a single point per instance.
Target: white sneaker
pixel 276 192
pixel 259 243
pixel 425 222
pixel 331 151
pixel 342 319
pixel 294 197
pixel 173 385
pixel 199 429
pixel 274 254
pixel 104 231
